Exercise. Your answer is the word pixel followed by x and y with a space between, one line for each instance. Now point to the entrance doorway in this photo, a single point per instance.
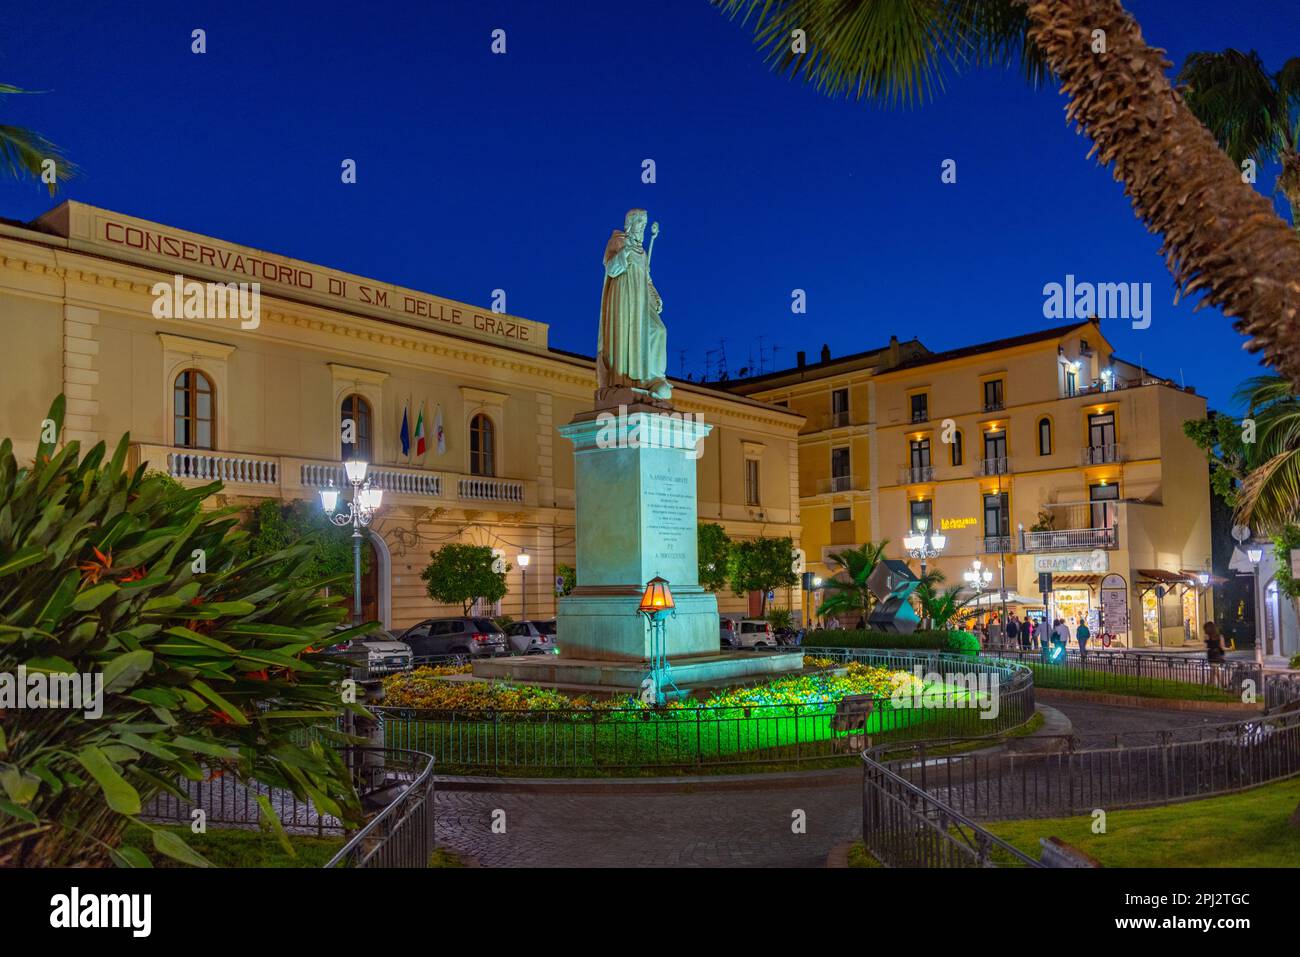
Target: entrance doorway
pixel 369 583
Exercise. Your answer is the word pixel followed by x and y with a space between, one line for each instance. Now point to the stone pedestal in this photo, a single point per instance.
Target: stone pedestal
pixel 634 475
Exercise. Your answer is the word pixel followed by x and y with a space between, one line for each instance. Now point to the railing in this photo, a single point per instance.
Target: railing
pixel 397 481
pixel 997 405
pixel 999 465
pixel 1070 539
pixel 903 826
pixel 583 740
pixel 402 834
pixel 1282 692
pixel 998 543
pixel 837 420
pixel 838 483
pixel 490 490
pixel 214 466
pixel 1131 672
pixel 225 800
pixel 1101 454
pixel 1064 783
pixel 915 474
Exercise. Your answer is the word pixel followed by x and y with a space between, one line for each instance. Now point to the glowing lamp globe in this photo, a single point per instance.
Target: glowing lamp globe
pixel 657 597
pixel 329 498
pixel 356 470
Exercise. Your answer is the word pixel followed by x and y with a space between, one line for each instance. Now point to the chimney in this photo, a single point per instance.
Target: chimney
pixel 801 359
pixel 826 353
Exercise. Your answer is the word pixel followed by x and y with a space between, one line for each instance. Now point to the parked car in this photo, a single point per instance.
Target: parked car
pixel 438 637
pixel 532 637
pixel 378 652
pixel 746 633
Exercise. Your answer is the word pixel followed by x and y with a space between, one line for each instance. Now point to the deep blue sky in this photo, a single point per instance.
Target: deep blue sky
pixel 479 171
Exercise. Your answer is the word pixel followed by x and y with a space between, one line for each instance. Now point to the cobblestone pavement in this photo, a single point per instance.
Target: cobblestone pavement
pixel 705 828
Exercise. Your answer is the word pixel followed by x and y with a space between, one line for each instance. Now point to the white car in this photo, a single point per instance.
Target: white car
pixel 747 633
pixel 532 637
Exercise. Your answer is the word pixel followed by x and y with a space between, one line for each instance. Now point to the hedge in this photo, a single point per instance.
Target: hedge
pixel 934 638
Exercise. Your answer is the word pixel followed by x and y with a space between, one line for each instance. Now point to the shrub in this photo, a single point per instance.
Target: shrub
pixel 846 638
pixel 206 657
pixel 963 643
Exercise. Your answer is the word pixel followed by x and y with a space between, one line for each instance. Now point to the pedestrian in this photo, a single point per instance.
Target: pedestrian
pixel 1213 642
pixel 862 623
pixel 1082 634
pixel 1013 630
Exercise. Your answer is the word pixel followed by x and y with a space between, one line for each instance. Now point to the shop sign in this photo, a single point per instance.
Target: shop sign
pixel 1094 561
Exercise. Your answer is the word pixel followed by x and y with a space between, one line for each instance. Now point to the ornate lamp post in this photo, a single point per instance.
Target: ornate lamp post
pixel 978 577
pixel 1255 554
pixel 658 606
pixel 362 506
pixel 524 559
pixel 924 544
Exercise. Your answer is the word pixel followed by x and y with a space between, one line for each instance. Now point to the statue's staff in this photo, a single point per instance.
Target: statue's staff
pixel 654 232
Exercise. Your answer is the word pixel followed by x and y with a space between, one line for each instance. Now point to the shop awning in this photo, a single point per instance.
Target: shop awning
pixel 1214 579
pixel 1158 576
pixel 1075 578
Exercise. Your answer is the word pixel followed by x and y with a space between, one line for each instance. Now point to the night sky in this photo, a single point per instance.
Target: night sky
pixel 478 171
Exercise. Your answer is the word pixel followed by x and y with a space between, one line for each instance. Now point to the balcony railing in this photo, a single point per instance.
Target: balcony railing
pixel 1000 465
pixel 837 420
pixel 1101 454
pixel 220 467
pixel 997 405
pixel 998 544
pixel 915 474
pixel 490 490
pixel 1076 526
pixel 397 481
pixel 921 415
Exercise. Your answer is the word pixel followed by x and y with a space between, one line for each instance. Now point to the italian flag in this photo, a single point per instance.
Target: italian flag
pixel 419 432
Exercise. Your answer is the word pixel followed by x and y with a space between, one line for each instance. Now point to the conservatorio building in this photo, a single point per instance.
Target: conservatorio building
pixel 226 362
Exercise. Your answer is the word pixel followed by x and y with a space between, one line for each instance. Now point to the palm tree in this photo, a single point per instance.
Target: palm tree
pixel 23 151
pixel 1269 496
pixel 849 594
pixel 1221 237
pixel 939 607
pixel 1253 115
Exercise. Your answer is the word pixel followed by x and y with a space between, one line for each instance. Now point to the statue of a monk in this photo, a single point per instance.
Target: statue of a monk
pixel 632 348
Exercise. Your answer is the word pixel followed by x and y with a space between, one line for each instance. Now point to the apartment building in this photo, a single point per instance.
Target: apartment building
pixel 1038 453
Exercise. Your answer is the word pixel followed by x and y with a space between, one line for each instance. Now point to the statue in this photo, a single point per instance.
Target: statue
pixel 632 347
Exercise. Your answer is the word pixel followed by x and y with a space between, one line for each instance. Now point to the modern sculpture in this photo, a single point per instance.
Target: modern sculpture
pixel 892 584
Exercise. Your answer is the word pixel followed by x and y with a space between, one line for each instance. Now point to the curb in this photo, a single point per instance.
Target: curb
pixel 1152 704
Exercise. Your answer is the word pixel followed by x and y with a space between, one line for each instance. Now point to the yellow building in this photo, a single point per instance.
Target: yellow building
pixel 1039 453
pixel 104 308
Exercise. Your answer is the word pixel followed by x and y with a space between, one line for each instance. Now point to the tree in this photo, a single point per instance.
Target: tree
pixel 209 658
pixel 848 593
pixel 1253 115
pixel 1221 237
pixel 569 575
pixel 939 608
pixel 274 526
pixel 761 565
pixel 23 152
pixel 714 555
pixel 463 574
pixel 1255 460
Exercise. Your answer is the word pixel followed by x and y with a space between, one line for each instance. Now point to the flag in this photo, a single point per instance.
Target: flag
pixel 419 432
pixel 406 432
pixel 438 433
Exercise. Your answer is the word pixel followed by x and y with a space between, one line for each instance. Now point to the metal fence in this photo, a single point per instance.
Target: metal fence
pixel 1282 692
pixel 1127 672
pixel 402 834
pixel 991 697
pixel 903 826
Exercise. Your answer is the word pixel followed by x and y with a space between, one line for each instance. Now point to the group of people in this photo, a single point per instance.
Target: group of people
pixel 1031 633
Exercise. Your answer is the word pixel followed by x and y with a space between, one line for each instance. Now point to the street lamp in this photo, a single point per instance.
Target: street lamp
pixel 924 544
pixel 365 501
pixel 524 559
pixel 658 606
pixel 978 577
pixel 1255 554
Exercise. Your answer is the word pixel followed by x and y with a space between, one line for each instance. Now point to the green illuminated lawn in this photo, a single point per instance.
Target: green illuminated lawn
pixel 657 742
pixel 1081 679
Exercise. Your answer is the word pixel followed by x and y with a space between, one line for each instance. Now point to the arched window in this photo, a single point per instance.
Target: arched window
pixel 195 411
pixel 482 446
pixel 356 410
pixel 1044 436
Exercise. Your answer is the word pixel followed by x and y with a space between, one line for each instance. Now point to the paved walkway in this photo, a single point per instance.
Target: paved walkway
pixel 750 827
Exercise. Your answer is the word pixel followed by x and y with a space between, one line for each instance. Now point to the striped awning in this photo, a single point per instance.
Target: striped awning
pixel 1076 578
pixel 1158 576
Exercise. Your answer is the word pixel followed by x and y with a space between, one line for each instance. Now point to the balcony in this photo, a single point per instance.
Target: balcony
pixel 997 405
pixel 1000 465
pixel 837 483
pixel 991 544
pixel 916 474
pixel 1101 454
pixel 836 420
pixel 288 477
pixel 1075 526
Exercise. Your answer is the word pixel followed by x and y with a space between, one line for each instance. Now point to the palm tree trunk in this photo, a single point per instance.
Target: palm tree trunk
pixel 1288 181
pixel 1221 237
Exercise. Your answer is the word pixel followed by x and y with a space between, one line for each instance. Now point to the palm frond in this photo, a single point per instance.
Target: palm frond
pixel 23 151
pixel 893 52
pixel 1234 96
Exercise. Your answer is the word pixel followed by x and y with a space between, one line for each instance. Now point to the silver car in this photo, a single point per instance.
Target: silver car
pixel 532 637
pixel 377 652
